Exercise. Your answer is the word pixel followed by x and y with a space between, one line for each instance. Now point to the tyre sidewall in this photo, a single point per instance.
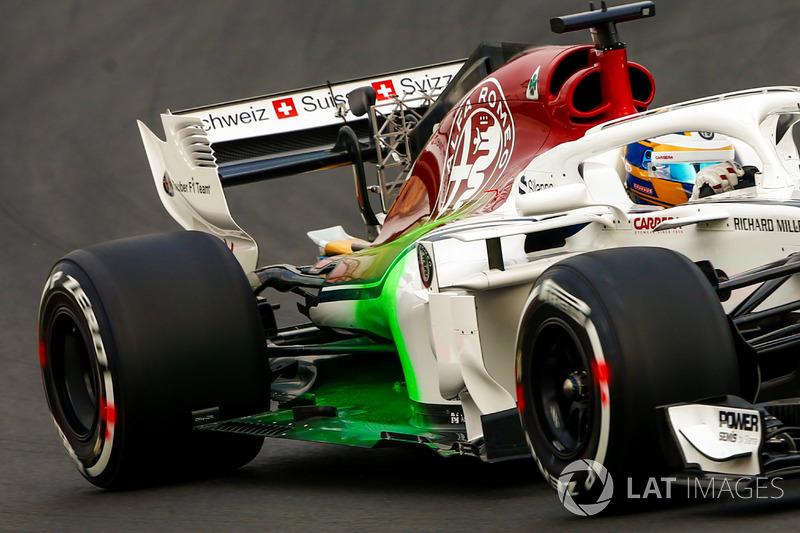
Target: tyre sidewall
pixel 546 309
pixel 69 294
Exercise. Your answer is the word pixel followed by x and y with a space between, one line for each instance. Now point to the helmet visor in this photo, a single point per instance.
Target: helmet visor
pixel 681 172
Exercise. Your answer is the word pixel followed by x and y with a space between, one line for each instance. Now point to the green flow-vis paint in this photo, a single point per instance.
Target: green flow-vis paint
pixel 382 312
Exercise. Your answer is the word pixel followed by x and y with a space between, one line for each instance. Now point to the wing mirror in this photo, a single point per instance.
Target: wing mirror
pixel 559 199
pixel 360 100
pixel 553 200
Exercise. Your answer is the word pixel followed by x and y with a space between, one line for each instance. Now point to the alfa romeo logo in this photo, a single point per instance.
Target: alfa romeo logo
pixel 480 143
pixel 598 473
pixel 425 266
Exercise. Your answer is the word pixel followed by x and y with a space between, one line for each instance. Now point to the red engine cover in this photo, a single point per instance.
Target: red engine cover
pixel 538 100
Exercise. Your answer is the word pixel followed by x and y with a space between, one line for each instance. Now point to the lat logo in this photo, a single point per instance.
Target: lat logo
pixel 480 143
pixel 383 89
pixel 284 107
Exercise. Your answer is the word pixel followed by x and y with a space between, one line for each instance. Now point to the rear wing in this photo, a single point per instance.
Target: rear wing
pixel 272 136
pixel 313 107
pixel 209 148
pixel 385 120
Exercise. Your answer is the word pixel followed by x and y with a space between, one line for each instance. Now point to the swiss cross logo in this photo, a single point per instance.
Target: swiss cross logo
pixel 384 89
pixel 284 108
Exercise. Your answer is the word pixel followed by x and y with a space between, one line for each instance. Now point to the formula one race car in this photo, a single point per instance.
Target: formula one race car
pixel 504 302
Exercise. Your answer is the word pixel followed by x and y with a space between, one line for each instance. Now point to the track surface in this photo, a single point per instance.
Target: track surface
pixel 75 76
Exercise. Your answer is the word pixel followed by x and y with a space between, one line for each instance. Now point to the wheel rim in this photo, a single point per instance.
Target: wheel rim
pixel 562 392
pixel 75 374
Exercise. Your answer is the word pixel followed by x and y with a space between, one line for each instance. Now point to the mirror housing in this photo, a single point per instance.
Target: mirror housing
pixel 560 199
pixel 361 99
pixel 554 200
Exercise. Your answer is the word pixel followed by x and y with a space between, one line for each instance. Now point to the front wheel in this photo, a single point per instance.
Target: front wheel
pixel 606 337
pixel 140 338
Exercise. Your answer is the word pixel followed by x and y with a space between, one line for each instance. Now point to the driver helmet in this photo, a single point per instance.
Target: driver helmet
pixel 661 171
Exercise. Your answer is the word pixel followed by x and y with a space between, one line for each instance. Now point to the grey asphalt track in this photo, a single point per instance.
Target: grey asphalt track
pixel 75 75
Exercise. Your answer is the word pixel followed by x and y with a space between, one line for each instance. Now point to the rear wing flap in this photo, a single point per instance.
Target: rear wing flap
pixel 294 132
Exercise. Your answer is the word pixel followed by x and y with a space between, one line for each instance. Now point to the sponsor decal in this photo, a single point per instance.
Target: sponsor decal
pixel 746 421
pixel 533 86
pixel 642 188
pixel 753 224
pixel 779 225
pixel 106 406
pixel 248 116
pixel 428 84
pixel 457 417
pixel 662 157
pixel 425 266
pixel 167 183
pixel 317 106
pixel 707 135
pixel 192 187
pixel 787 225
pixel 384 89
pixel 205 416
pixel 735 437
pixel 648 223
pixel 480 143
pixel 552 293
pixel 284 108
pixel 316 102
pixel 527 185
pixel 549 291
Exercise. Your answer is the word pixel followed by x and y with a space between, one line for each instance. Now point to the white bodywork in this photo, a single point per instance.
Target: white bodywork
pixel 186 179
pixel 736 231
pixel 460 332
pixel 723 440
pixel 315 106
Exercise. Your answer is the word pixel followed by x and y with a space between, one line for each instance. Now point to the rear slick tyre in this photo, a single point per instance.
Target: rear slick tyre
pixel 137 335
pixel 605 338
